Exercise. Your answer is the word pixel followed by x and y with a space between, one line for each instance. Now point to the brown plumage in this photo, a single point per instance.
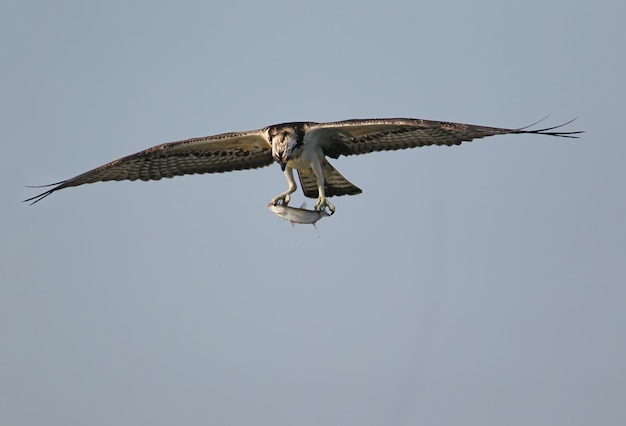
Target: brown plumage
pixel 301 145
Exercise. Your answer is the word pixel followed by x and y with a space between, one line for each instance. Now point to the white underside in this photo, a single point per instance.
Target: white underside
pixel 309 156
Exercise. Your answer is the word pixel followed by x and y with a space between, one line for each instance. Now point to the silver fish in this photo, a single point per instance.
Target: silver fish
pixel 297 215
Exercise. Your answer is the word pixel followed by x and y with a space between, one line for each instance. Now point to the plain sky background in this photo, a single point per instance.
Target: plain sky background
pixel 476 285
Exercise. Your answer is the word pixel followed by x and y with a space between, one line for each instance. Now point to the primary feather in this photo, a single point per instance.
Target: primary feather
pixel 303 146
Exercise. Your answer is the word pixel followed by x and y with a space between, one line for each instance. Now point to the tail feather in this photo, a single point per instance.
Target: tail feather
pixel 334 182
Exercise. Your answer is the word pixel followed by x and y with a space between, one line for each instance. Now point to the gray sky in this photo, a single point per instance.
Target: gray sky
pixel 475 285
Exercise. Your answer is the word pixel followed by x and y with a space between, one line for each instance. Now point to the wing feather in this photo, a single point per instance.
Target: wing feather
pixel 211 154
pixel 353 137
pixel 247 150
pixel 334 183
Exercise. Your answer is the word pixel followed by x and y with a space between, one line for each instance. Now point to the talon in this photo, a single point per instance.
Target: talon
pixel 281 199
pixel 322 203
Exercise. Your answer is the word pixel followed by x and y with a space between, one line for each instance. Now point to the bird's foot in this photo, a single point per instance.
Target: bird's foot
pixel 281 199
pixel 322 203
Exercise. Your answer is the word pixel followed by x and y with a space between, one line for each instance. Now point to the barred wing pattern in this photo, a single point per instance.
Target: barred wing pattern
pixel 353 137
pixel 212 154
pixel 253 149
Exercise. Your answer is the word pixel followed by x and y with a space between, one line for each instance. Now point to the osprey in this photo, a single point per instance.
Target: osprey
pixel 303 146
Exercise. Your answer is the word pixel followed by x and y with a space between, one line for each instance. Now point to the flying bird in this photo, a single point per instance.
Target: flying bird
pixel 303 146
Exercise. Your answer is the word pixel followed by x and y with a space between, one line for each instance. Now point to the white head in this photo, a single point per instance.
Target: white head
pixel 285 138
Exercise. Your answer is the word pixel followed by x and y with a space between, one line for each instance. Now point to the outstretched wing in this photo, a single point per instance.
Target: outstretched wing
pixel 211 154
pixel 353 137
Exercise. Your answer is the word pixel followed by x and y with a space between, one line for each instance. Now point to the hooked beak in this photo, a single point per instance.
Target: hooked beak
pixel 281 152
pixel 280 159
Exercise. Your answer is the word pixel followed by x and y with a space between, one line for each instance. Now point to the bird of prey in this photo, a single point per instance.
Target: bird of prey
pixel 303 146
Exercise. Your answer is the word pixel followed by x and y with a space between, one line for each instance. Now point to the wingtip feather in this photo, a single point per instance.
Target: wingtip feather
pixel 547 130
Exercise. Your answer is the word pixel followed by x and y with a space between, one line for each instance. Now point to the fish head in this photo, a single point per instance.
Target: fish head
pixel 278 209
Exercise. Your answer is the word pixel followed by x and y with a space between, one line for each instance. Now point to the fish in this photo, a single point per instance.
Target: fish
pixel 297 215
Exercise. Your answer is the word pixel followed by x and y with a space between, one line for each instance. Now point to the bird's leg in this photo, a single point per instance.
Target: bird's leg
pixel 286 196
pixel 322 201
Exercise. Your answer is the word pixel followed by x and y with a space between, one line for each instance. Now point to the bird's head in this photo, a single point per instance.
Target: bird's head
pixel 284 139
